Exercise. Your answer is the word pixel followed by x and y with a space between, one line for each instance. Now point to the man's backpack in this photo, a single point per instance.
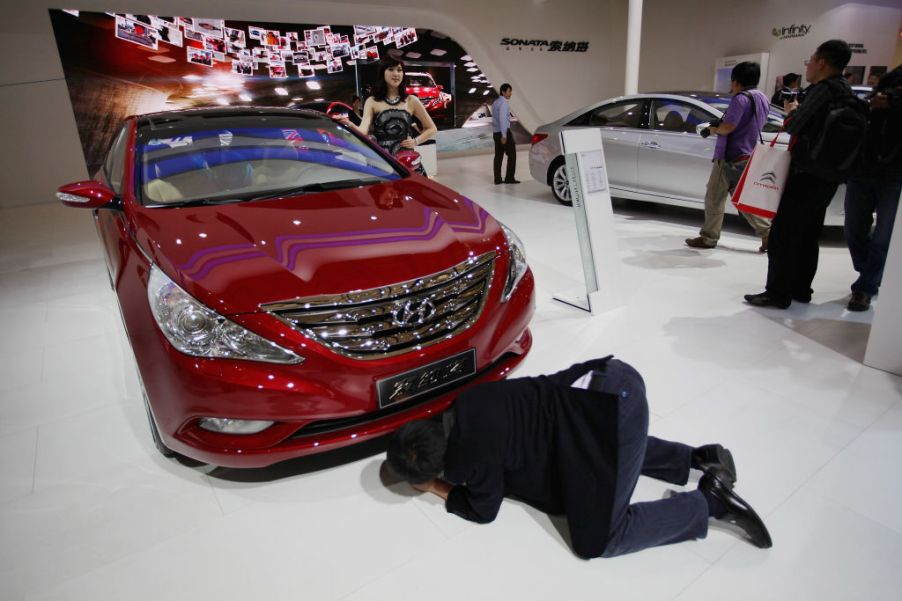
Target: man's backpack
pixel 834 151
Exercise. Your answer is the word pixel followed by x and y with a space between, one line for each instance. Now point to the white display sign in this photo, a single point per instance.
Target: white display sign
pixel 587 176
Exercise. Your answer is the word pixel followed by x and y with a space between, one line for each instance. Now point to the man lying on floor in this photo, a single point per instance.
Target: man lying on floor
pixel 572 443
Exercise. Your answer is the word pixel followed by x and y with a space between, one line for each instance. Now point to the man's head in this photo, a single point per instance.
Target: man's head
pixel 746 75
pixel 506 90
pixel 828 60
pixel 416 452
pixel 355 102
pixel 792 80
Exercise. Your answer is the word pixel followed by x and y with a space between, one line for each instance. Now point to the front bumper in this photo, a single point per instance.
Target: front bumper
pixel 327 402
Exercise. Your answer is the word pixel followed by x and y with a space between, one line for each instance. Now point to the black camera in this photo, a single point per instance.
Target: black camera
pixel 707 132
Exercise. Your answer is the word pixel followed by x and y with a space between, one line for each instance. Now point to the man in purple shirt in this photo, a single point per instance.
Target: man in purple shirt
pixel 737 134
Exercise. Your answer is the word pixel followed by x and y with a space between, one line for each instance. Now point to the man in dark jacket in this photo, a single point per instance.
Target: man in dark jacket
pixel 573 443
pixel 875 189
pixel 793 243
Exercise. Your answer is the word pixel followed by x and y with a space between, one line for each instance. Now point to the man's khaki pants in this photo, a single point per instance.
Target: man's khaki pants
pixel 715 201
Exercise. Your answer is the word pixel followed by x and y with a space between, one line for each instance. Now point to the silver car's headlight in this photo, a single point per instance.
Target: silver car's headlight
pixel 518 266
pixel 197 330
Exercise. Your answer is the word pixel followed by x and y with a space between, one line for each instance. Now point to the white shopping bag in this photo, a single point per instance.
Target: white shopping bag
pixel 763 180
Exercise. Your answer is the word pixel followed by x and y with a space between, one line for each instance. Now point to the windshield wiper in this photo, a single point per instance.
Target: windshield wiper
pixel 205 202
pixel 320 187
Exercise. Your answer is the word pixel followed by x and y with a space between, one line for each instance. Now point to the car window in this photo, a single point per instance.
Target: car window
pixel 676 116
pixel 775 115
pixel 246 158
pixel 619 114
pixel 114 165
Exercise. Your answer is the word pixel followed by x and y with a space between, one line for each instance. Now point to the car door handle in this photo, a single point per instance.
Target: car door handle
pixel 651 145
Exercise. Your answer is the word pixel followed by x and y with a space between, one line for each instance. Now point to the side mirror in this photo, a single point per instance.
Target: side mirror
pixel 409 158
pixel 86 195
pixel 701 127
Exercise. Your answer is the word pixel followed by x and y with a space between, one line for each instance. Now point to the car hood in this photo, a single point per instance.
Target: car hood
pixel 236 257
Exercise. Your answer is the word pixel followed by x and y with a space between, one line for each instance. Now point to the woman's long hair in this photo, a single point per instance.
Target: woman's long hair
pixel 380 89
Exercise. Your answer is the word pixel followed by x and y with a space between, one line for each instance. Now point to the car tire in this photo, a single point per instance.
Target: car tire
pixel 557 179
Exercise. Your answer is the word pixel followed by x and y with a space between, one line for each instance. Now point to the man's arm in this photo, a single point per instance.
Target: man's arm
pixel 815 101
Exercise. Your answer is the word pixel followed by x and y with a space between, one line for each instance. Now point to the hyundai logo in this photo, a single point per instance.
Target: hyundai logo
pixel 414 312
pixel 768 176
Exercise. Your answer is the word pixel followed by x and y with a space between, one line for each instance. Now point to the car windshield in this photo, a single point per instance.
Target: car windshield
pixel 419 80
pixel 210 160
pixel 775 115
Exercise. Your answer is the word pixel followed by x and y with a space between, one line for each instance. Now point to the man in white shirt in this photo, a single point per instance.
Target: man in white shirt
pixel 504 141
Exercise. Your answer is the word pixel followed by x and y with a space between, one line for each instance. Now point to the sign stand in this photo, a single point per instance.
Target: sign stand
pixel 594 216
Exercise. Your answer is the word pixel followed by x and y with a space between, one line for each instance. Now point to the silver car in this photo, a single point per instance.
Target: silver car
pixel 653 149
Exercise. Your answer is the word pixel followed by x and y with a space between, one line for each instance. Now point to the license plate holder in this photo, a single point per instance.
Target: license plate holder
pixel 426 378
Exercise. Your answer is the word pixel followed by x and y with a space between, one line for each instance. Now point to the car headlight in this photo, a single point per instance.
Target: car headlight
pixel 517 266
pixel 197 330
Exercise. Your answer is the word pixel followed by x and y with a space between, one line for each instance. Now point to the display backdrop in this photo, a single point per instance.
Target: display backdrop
pixel 122 64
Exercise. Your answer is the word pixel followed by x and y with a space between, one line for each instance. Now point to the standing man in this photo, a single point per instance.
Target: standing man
pixel 875 188
pixel 504 140
pixel 789 91
pixel 793 253
pixel 572 443
pixel 738 132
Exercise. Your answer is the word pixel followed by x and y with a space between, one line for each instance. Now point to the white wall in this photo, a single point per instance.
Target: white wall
pixel 681 40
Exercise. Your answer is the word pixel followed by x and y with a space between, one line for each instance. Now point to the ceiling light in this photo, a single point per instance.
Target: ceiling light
pixel 438 52
pixel 472 70
pixel 486 92
pixel 191 77
pixel 281 91
pixel 245 97
pixel 414 55
pixel 222 101
pixel 472 91
pixel 313 85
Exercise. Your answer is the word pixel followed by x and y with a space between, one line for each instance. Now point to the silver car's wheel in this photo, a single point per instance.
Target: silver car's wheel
pixel 560 187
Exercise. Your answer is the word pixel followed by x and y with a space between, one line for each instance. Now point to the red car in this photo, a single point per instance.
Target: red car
pixel 431 94
pixel 288 288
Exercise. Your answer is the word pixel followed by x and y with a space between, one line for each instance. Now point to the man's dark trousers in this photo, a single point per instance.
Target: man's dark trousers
pixel 683 516
pixel 793 249
pixel 510 150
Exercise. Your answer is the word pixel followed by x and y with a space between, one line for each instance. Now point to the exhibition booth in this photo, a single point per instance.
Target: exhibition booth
pixel 203 364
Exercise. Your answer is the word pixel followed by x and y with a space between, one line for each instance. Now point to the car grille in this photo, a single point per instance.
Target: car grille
pixel 381 322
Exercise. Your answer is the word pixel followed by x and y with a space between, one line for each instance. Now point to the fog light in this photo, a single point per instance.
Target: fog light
pixel 226 425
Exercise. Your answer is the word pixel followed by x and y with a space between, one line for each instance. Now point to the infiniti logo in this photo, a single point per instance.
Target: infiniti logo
pixel 768 176
pixel 414 312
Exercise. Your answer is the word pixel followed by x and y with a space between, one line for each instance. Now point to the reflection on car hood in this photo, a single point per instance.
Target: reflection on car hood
pixel 235 257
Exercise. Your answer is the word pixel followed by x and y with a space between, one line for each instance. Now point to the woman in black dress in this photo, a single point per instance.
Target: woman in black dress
pixel 390 112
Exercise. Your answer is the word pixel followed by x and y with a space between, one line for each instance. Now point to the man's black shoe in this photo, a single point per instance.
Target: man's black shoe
pixel 802 298
pixel 498 181
pixel 766 300
pixel 511 181
pixel 714 457
pixel 859 302
pixel 737 511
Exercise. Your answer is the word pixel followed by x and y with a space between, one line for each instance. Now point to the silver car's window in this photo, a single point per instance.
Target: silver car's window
pixel 676 116
pixel 775 115
pixel 622 114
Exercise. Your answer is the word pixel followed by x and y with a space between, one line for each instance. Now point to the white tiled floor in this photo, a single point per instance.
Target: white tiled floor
pixel 88 510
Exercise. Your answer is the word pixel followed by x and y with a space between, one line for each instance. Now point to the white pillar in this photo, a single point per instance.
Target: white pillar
pixel 633 39
pixel 884 350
